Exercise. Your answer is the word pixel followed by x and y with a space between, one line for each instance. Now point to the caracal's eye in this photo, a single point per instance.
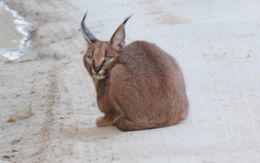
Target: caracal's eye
pixel 89 58
pixel 108 57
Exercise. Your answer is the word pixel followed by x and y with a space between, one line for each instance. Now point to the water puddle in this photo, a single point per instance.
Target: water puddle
pixel 13 36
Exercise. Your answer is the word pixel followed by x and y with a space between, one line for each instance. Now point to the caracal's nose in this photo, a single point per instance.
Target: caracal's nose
pixel 97 68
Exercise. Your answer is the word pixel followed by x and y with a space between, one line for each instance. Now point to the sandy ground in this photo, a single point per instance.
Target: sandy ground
pixel 48 106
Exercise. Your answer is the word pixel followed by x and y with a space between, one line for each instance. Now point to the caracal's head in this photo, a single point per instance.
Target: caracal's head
pixel 102 55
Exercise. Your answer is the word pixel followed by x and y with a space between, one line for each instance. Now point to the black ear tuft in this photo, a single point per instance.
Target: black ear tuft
pixel 90 38
pixel 118 38
pixel 125 21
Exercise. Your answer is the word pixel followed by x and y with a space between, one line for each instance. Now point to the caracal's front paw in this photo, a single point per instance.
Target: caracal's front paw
pixel 103 122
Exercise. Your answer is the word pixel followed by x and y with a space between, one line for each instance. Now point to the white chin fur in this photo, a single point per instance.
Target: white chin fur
pixel 99 77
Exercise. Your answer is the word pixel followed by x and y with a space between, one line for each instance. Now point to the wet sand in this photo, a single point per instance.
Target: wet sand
pixel 10 38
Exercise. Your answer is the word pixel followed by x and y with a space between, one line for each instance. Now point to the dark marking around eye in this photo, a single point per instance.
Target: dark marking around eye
pixel 92 53
pixel 105 55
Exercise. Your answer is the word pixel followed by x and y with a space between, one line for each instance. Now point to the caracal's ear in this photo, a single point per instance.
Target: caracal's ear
pixel 118 38
pixel 90 38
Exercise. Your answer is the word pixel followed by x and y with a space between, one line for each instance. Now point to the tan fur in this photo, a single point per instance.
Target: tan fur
pixel 138 87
